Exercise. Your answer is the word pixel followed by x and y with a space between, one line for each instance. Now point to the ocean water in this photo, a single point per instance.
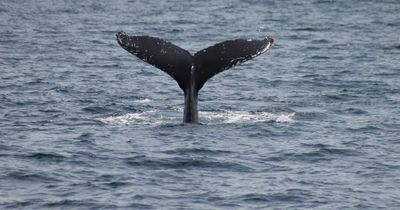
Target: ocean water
pixel 312 124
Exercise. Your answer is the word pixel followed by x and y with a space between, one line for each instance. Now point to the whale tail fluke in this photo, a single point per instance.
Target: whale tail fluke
pixel 191 72
pixel 187 69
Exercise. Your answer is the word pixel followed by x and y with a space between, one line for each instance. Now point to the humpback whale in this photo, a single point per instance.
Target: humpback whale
pixel 192 71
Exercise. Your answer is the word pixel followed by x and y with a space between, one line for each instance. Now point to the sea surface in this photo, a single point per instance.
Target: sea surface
pixel 314 123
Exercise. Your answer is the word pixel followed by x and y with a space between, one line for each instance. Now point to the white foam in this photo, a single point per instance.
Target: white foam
pixel 246 117
pixel 285 117
pixel 147 117
pixel 143 101
pixel 178 108
pixel 155 117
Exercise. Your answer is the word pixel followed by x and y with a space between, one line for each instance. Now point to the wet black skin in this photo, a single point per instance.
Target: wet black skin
pixel 192 71
pixel 191 114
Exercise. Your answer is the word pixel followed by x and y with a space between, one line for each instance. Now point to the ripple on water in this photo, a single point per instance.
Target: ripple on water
pixel 274 197
pixel 323 153
pixel 202 163
pixel 28 175
pixel 196 151
pixel 79 203
pixel 42 156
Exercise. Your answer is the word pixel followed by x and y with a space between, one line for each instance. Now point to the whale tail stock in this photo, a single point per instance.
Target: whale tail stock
pixel 191 72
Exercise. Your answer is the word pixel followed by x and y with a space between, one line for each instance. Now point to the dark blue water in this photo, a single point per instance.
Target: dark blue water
pixel 312 124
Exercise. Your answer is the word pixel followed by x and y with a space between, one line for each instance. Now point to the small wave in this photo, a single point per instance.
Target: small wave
pixel 311 29
pixel 16 204
pixel 319 153
pixel 46 156
pixel 96 109
pixel 78 203
pixel 196 151
pixel 185 163
pixel 256 197
pixel 319 57
pixel 26 175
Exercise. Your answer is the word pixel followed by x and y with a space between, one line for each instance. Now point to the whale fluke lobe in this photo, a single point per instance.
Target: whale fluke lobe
pixel 164 55
pixel 224 55
pixel 192 71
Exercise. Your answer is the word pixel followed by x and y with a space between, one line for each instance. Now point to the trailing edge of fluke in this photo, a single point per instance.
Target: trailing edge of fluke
pixel 192 71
